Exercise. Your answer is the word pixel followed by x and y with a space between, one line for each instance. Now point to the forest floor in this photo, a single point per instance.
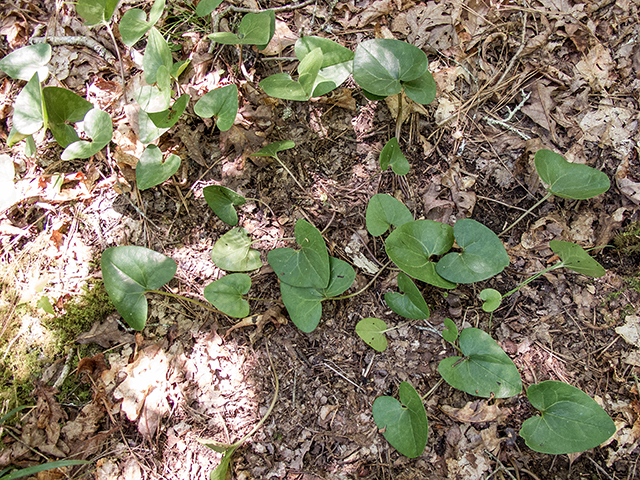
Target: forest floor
pixel 560 74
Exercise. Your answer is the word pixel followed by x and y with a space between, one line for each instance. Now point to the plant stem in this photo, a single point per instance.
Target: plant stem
pixel 423 398
pixel 533 277
pixel 544 199
pixel 196 302
pixel 115 45
pixel 364 288
pixel 399 117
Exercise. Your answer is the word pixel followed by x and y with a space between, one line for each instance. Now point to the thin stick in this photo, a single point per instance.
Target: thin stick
pixel 399 117
pixel 501 203
pixel 544 199
pixel 115 45
pixel 365 287
pixel 75 40
pixel 424 397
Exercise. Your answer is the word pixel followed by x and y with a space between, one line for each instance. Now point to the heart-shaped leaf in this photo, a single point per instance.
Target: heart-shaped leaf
pixel 491 298
pixel 484 371
pixel 383 211
pixel 96 12
pixel 404 424
pixel 421 90
pixel 274 148
pixel 412 244
pixel 221 103
pixel 570 421
pixel 148 131
pixel 28 109
pixel 168 118
pixel 205 7
pixel 409 304
pixel 155 99
pixel 233 252
pixel 569 180
pixel 156 53
pixel 304 268
pixel 371 331
pixel 64 107
pixel 152 169
pixel 392 155
pixel 222 200
pixel 97 126
pixel 226 294
pixel 283 86
pixel 254 29
pixel 575 258
pixel 133 24
pixel 482 257
pixel 337 62
pixel 128 273
pixel 380 66
pixel 21 64
pixel 450 332
pixel 304 304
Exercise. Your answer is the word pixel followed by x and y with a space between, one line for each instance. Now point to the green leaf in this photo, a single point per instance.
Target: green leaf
pixel 226 294
pixel 96 12
pixel 392 155
pixel 97 126
pixel 222 200
pixel 29 471
pixel 156 54
pixel 283 86
pixel 220 472
pixel 569 180
pixel 482 257
pixel 23 63
pixel 168 118
pixel 383 211
pixel 575 258
pixel 28 109
pixel 484 371
pixel 148 131
pixel 307 267
pixel 233 252
pixel 570 421
pixel 153 99
pixel 254 29
pixel 152 169
pixel 221 103
pixel 205 7
pixel 421 90
pixel 411 245
pixel 380 66
pixel 128 272
pixel 450 333
pixel 491 298
pixel 179 67
pixel 337 62
pixel 274 148
pixel 64 107
pixel 45 304
pixel 133 24
pixel 30 146
pixel 371 331
pixel 304 304
pixel 409 304
pixel 404 425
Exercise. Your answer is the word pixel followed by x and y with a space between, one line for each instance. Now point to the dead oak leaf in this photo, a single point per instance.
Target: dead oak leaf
pixel 478 411
pixel 49 412
pixel 94 366
pixel 105 334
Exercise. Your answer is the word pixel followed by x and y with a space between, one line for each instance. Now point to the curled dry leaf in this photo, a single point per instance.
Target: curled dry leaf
pixel 478 411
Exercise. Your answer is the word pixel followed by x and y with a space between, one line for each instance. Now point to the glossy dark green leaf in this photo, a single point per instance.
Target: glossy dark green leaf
pixel 205 7
pixel 569 180
pixel 409 304
pixel 384 211
pixel 307 267
pixel 28 109
pixel 97 126
pixel 222 201
pixel 96 12
pixel 152 169
pixel 128 272
pixel 483 254
pixel 226 294
pixel 404 424
pixel 337 62
pixel 392 155
pixel 168 118
pixel 233 253
pixel 421 90
pixel 484 371
pixel 491 298
pixel 64 107
pixel 22 63
pixel 221 103
pixel 133 24
pixel 570 421
pixel 412 245
pixel 575 258
pixel 371 330
pixel 450 332
pixel 380 66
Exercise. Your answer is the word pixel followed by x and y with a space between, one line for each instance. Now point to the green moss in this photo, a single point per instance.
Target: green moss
pixel 628 241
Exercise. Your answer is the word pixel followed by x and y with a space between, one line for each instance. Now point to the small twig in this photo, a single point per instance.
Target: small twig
pixel 76 40
pixel 515 58
pixel 337 372
pixel 365 287
pixel 115 45
pixel 504 122
pixel 501 203
pixel 65 370
pixel 602 470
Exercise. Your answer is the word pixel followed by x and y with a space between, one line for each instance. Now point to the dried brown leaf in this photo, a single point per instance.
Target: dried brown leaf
pixel 105 334
pixel 478 411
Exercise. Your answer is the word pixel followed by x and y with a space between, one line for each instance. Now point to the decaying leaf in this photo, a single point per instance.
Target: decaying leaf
pixel 105 334
pixel 630 331
pixel 478 411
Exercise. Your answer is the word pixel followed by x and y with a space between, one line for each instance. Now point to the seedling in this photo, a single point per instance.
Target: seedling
pixel 324 66
pixel 392 155
pixel 221 103
pixel 254 29
pixel 565 180
pixel 570 421
pixel 385 67
pixel 222 201
pixel 409 304
pixel 403 423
